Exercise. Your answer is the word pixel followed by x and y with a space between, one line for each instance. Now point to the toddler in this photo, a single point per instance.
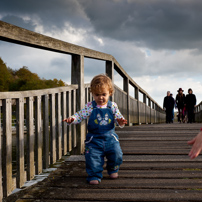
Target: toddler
pixel 101 139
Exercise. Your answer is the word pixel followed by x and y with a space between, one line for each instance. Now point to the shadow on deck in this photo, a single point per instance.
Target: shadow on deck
pixel 156 167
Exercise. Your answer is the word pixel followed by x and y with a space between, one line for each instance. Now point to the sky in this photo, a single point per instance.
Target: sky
pixel 157 42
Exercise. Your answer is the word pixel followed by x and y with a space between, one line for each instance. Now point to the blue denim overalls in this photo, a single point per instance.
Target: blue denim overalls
pixel 102 141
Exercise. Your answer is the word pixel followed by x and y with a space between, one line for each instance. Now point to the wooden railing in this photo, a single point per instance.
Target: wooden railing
pixel 198 113
pixel 46 137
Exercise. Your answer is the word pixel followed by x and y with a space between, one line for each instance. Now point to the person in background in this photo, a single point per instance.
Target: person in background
pixel 168 105
pixel 173 109
pixel 180 101
pixel 190 102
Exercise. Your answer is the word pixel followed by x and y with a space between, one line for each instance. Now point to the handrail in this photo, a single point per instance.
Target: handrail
pixel 48 138
pixel 18 35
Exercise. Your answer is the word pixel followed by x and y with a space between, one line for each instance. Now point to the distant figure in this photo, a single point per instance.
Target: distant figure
pixel 168 105
pixel 190 102
pixel 180 101
pixel 173 109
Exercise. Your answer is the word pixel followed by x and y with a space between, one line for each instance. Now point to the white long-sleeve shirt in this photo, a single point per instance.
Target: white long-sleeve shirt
pixel 87 110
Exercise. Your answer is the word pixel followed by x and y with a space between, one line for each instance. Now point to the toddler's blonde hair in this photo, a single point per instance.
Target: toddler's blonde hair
pixel 100 81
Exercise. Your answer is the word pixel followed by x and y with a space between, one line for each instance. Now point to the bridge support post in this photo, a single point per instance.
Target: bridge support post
pixel 77 77
pixel 110 73
pixel 145 101
pixel 138 104
pixel 126 89
pixel 1 191
pixel 7 148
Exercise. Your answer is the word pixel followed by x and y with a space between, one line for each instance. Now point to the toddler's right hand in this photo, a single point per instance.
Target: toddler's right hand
pixel 69 120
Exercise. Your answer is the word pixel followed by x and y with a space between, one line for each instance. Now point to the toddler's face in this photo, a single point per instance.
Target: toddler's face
pixel 101 97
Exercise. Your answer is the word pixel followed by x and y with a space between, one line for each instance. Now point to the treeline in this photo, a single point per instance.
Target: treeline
pixel 23 79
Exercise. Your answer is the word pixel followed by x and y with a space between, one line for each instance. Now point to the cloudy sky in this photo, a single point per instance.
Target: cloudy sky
pixel 157 42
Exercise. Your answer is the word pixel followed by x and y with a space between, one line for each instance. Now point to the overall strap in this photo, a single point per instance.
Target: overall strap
pixel 109 104
pixel 94 104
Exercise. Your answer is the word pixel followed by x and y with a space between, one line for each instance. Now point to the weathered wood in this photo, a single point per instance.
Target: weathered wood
pixel 1 190
pixel 7 148
pixel 20 178
pixel 14 34
pixel 30 138
pixel 58 127
pixel 18 35
pixel 126 89
pixel 146 177
pixel 73 110
pixel 76 100
pixel 33 93
pixel 52 129
pixel 45 131
pixel 69 113
pixel 38 135
pixel 110 72
pixel 64 125
pixel 77 77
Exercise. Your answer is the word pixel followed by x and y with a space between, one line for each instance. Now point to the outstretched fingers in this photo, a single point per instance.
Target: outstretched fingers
pixel 197 146
pixel 68 120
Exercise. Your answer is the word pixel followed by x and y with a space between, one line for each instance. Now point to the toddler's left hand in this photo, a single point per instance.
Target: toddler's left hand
pixel 121 121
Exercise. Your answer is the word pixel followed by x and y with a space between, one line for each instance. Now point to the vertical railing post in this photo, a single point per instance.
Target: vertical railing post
pixel 20 142
pixel 52 129
pixel 30 138
pixel 45 131
pixel 138 103
pixel 1 191
pixel 73 127
pixel 38 136
pixel 77 77
pixel 145 101
pixel 126 89
pixel 155 113
pixel 149 100
pixel 110 73
pixel 69 113
pixel 7 148
pixel 64 125
pixel 58 127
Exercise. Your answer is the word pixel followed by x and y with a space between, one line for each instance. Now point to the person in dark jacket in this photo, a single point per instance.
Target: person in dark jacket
pixel 168 105
pixel 180 101
pixel 190 102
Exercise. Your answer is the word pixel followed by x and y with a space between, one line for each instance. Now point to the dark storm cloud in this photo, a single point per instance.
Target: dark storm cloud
pixel 49 13
pixel 152 23
pixel 157 24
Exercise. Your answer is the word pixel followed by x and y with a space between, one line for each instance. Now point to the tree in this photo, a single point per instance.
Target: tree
pixel 5 76
pixel 23 79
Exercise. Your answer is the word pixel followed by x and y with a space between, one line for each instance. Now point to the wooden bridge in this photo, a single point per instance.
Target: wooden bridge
pixel 155 155
pixel 156 167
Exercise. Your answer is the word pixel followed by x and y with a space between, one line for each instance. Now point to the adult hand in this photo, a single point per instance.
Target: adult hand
pixel 197 146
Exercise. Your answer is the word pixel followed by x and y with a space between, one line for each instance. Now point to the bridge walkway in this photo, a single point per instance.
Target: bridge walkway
pixel 156 167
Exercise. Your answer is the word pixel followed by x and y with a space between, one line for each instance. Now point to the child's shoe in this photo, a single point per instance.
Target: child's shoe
pixel 114 175
pixel 94 182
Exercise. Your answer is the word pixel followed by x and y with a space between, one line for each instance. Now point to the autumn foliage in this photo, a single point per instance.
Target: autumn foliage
pixel 23 79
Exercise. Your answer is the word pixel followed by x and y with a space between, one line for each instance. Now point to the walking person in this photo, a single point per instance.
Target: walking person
pixel 180 101
pixel 173 109
pixel 190 102
pixel 101 139
pixel 168 105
